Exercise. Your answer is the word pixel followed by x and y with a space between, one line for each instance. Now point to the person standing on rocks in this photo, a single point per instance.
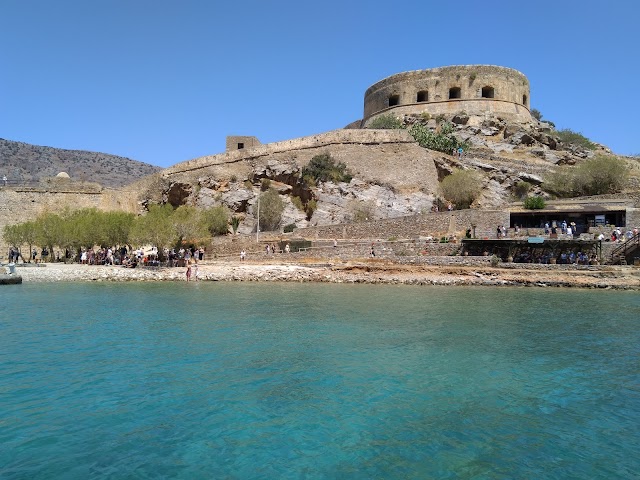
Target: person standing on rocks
pixel 188 272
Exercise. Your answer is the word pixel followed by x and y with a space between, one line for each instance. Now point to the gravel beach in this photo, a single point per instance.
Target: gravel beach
pixel 614 277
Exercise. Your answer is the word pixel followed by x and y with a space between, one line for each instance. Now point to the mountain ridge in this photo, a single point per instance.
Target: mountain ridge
pixel 25 163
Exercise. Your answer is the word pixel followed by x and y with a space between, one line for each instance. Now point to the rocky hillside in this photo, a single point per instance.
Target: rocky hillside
pixel 23 163
pixel 392 175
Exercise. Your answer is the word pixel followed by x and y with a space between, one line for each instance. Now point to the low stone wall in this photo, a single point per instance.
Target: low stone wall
pixel 413 226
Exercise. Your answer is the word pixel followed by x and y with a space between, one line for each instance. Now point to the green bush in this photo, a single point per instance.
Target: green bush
pixel 462 187
pixel 323 168
pixel 596 176
pixel 312 205
pixel 386 121
pixel 521 189
pixel 289 228
pixel 534 203
pixel 297 202
pixel 536 114
pixel 217 220
pixel 265 184
pixel 574 138
pixel 271 208
pixel 443 141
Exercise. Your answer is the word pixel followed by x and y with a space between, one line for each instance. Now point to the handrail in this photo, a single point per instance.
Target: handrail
pixel 622 250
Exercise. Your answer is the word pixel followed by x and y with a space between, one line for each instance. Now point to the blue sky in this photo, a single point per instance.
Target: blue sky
pixel 166 81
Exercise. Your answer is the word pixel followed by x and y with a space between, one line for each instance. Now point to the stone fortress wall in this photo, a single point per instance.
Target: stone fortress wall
pixel 323 140
pixel 23 204
pixel 475 89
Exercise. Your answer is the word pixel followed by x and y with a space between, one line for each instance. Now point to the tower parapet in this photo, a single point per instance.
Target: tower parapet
pixel 477 90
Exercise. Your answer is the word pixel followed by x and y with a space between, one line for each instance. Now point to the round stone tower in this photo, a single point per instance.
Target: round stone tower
pixel 477 90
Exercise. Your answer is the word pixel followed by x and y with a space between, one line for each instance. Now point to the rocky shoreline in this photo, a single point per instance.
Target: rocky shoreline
pixel 610 277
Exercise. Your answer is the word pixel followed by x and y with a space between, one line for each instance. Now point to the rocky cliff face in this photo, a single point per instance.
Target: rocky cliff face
pixel 24 163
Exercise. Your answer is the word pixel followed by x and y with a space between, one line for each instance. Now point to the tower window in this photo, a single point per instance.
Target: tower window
pixel 394 100
pixel 488 92
pixel 423 96
pixel 240 146
pixel 455 92
pixel 524 100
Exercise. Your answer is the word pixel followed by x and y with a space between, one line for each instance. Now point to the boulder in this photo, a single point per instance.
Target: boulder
pixel 521 138
pixel 460 119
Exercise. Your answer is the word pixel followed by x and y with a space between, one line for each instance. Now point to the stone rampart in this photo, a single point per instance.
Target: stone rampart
pixel 323 140
pixel 18 205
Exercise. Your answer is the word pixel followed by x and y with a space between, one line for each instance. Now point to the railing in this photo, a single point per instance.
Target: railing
pixel 620 253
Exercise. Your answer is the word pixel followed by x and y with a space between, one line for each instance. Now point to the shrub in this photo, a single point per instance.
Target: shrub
pixel 289 228
pixel 235 223
pixel 596 176
pixel 323 168
pixel 534 203
pixel 271 208
pixel 536 114
pixel 297 202
pixel 574 138
pixel 443 141
pixel 312 205
pixel 217 220
pixel 265 184
pixel 386 121
pixel 361 211
pixel 521 189
pixel 462 187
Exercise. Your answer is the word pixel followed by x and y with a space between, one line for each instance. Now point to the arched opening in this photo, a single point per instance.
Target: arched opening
pixel 455 92
pixel 488 92
pixel 394 100
pixel 524 100
pixel 423 96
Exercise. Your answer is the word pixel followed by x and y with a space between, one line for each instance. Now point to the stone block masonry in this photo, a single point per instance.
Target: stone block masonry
pixel 423 225
pixel 21 205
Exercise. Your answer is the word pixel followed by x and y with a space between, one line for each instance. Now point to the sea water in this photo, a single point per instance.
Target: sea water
pixel 278 381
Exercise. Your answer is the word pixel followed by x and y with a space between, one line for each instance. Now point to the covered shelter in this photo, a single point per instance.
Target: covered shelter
pixel 584 213
pixel 532 249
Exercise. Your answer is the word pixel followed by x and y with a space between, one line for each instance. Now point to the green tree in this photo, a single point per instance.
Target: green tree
pixel 462 187
pixel 155 228
pixel 116 227
pixel 217 220
pixel 50 231
pixel 270 210
pixel 189 224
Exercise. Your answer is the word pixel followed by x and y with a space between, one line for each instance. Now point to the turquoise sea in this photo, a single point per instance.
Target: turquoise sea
pixel 279 381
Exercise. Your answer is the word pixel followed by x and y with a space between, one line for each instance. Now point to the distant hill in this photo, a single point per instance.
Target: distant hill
pixel 24 163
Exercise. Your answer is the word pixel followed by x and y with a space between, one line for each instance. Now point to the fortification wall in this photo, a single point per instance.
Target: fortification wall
pixel 323 140
pixel 18 205
pixel 428 224
pixel 475 89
